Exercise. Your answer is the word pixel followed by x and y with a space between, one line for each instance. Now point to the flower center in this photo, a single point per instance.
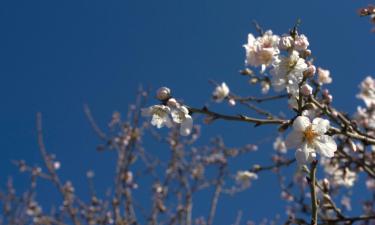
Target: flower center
pixel 309 135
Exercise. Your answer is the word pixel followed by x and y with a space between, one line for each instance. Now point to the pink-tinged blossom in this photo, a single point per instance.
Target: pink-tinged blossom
pixel 324 76
pixel 261 51
pixel 301 43
pixel 309 138
pixel 286 42
pixel 367 93
pixel 306 89
pixel 279 145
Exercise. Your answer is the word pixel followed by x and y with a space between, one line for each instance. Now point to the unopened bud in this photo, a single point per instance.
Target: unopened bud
pixel 232 102
pixel 172 102
pixel 163 93
pixel 306 89
pixel 310 71
pixel 246 72
pixel 253 80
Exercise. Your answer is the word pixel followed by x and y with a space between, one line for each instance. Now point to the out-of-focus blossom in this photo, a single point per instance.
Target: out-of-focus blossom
pixel 279 145
pixel 288 73
pixel 367 91
pixel 160 115
pixel 365 117
pixel 309 138
pixel 244 177
pixel 337 175
pixel 181 116
pixel 324 76
pixel 345 177
pixel 261 51
pixel 265 87
pixel 370 184
pixel 220 92
pixel 345 201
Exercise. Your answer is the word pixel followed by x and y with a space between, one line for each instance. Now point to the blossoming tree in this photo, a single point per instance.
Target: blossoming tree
pixel 322 138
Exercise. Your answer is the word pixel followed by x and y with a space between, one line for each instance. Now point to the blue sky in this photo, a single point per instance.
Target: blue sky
pixel 57 55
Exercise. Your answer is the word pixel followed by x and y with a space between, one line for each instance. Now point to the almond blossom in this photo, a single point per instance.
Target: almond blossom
pixel 309 138
pixel 181 116
pixel 367 93
pixel 288 73
pixel 262 50
pixel 324 76
pixel 244 177
pixel 160 115
pixel 220 92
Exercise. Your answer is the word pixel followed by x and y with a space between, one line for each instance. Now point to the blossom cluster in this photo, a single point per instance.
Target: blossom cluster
pixel 169 113
pixel 287 58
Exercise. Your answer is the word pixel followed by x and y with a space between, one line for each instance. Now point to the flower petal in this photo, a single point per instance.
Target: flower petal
pixel 186 126
pixel 320 125
pixel 325 145
pixel 301 123
pixel 301 156
pixel 294 139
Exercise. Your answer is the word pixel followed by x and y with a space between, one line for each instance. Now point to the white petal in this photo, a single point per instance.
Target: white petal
pixel 325 145
pixel 301 156
pixel 301 123
pixel 186 126
pixel 294 139
pixel 320 125
pixel 157 121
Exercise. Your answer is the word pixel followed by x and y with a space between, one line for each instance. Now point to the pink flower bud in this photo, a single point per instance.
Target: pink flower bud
pixel 310 71
pixel 306 89
pixel 163 93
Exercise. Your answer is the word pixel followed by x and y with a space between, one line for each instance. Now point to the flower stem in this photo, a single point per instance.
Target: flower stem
pixel 314 201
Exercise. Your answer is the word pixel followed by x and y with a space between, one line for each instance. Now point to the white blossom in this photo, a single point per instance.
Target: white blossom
pixel 301 43
pixel 367 93
pixel 279 145
pixel 244 177
pixel 220 92
pixel 339 176
pixel 286 42
pixel 160 115
pixel 181 116
pixel 324 76
pixel 265 87
pixel 262 50
pixel 288 73
pixel 309 138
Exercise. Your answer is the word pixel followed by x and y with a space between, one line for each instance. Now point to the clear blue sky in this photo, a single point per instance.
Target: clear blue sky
pixel 57 55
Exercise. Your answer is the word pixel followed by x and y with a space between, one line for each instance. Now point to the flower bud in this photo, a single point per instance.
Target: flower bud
pixel 306 89
pixel 172 102
pixel 310 71
pixel 232 102
pixel 163 93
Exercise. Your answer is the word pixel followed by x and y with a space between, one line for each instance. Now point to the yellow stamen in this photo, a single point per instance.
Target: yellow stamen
pixel 309 135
